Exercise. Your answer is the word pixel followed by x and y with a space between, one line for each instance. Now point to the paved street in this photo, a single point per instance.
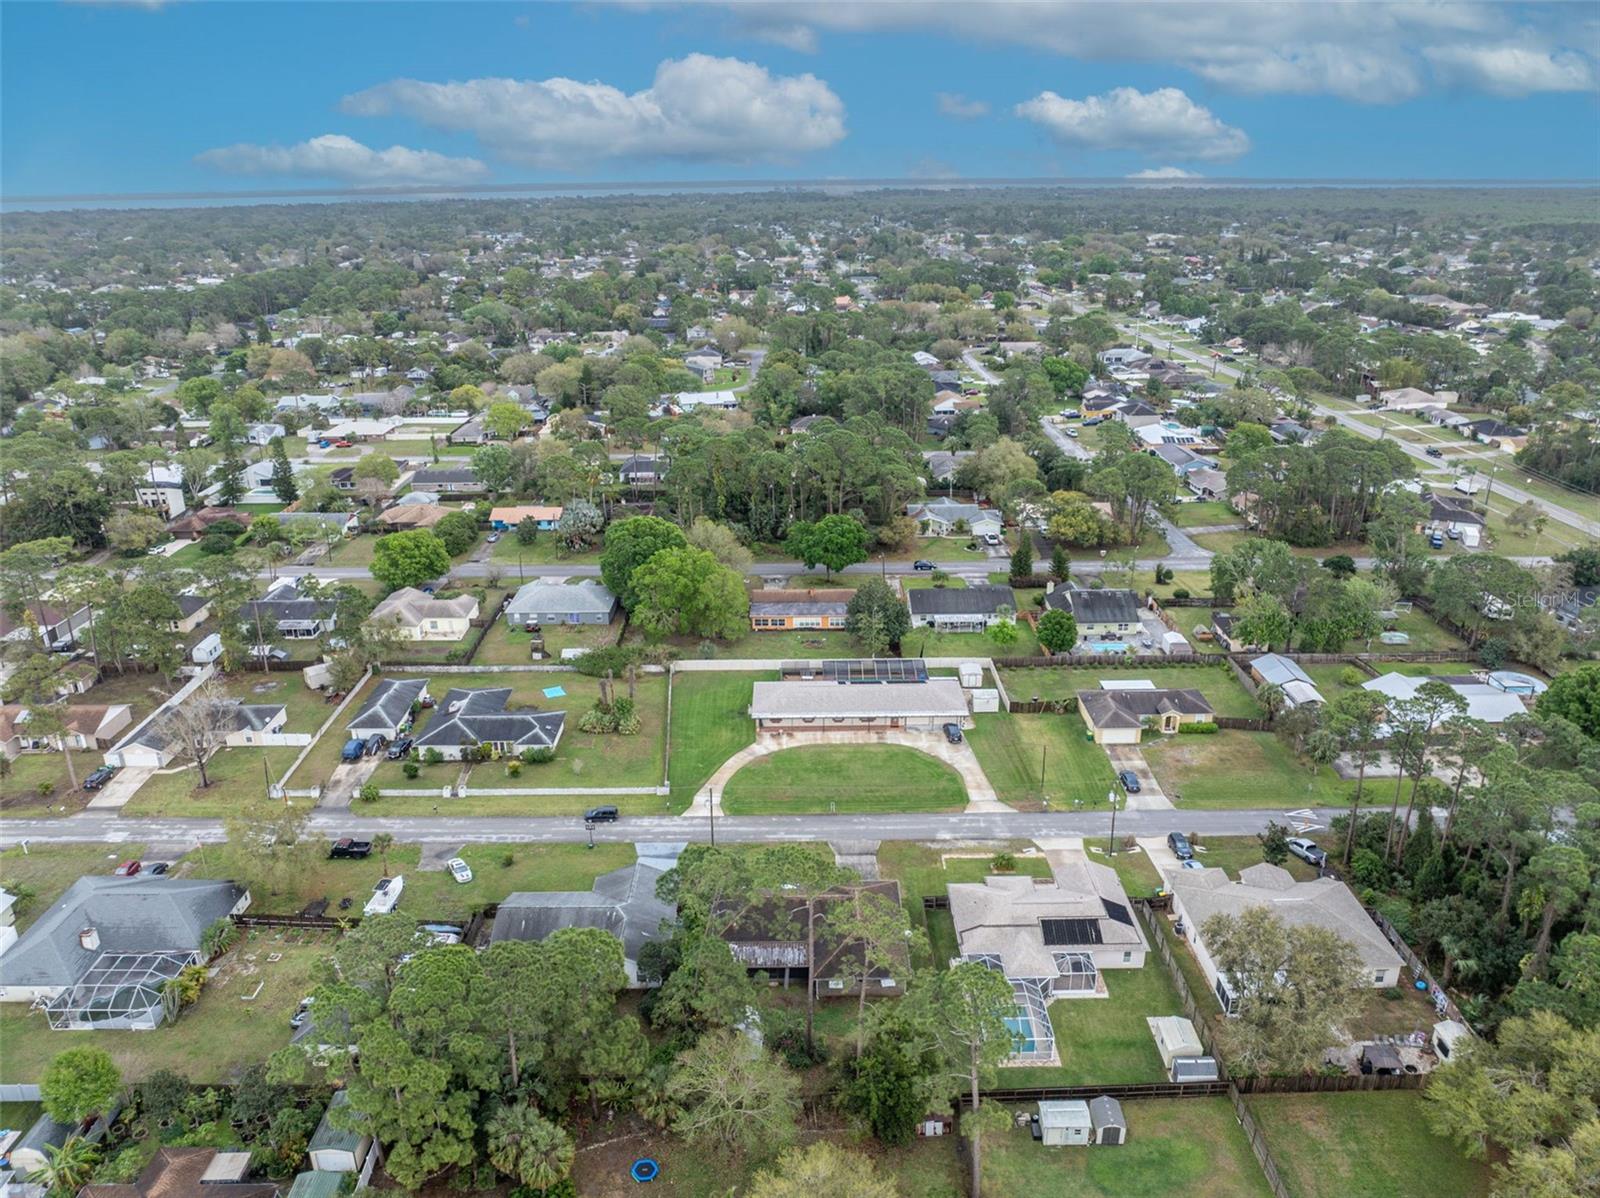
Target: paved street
pixel 569 829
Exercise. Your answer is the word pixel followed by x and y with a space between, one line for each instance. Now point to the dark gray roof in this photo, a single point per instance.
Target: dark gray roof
pixel 623 902
pixel 132 915
pixel 1096 607
pixel 474 717
pixel 443 474
pixel 1106 1111
pixel 390 703
pixel 189 604
pixel 1129 709
pixel 1443 508
pixel 239 717
pixel 559 598
pixel 958 601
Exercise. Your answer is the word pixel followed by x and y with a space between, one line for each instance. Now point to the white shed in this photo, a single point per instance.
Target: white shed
pixel 986 699
pixel 1175 1037
pixel 207 650
pixel 1174 642
pixel 971 674
pixel 1065 1122
pixel 1448 1036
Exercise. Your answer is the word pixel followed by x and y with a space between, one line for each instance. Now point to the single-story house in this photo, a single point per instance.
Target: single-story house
pixel 802 706
pixel 155 924
pixel 1485 701
pixel 467 718
pixel 1496 432
pixel 1197 895
pixel 152 747
pixel 1105 615
pixel 1274 669
pixel 504 519
pixel 1207 483
pixel 389 708
pixel 941 464
pixel 824 609
pixel 55 627
pixel 195 524
pixel 1060 933
pixel 771 936
pixel 361 429
pixel 468 432
pixel 163 497
pixel 623 902
pixel 413 515
pixel 189 1173
pixel 333 1149
pixel 641 470
pixel 284 611
pixel 1413 399
pixel 688 400
pixel 88 726
pixel 448 480
pixel 557 603
pixel 1449 514
pixel 940 518
pixel 264 434
pixel 193 611
pixel 1119 714
pixel 418 616
pixel 963 609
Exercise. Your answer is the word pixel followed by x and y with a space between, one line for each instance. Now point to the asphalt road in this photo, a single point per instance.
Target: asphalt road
pixel 110 829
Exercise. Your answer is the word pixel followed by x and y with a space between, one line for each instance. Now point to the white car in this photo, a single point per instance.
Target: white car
pixel 459 870
pixel 1307 851
pixel 384 896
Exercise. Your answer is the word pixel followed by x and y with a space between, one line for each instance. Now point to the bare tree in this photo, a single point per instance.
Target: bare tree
pixel 196 727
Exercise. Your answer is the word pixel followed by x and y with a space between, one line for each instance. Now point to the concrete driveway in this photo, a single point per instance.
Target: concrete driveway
pixel 120 789
pixel 1160 855
pixel 1150 797
pixel 981 798
pixel 346 780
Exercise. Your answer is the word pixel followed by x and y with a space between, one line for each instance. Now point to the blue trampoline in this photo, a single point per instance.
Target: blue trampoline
pixel 644 1169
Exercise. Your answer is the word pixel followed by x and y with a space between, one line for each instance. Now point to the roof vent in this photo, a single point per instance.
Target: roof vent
pixel 89 938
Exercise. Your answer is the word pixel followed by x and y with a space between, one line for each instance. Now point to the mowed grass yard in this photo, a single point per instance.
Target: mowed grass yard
pixel 48 869
pixel 1363 1146
pixel 1175 1146
pixel 710 723
pixel 210 1041
pixel 846 778
pixel 1222 690
pixel 1012 749
pixel 1240 769
pixel 1106 1041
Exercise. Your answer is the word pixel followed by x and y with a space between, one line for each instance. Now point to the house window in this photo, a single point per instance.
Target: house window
pixel 1379 977
pixel 886 983
pixel 835 983
pixel 1127 957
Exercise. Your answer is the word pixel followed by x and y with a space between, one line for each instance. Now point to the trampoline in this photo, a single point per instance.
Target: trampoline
pixel 644 1169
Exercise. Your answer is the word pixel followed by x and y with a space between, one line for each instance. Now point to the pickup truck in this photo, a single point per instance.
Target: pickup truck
pixel 354 750
pixel 347 847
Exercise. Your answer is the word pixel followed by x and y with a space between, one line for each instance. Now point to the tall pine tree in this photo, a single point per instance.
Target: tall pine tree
pixel 283 484
pixel 230 476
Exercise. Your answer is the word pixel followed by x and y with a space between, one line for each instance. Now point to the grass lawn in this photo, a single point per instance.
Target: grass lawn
pixel 507 645
pixel 48 869
pixel 946 549
pixel 209 1041
pixel 1239 769
pixel 1175 1146
pixel 547 550
pixel 925 642
pixel 827 778
pixel 1216 683
pixel 1011 749
pixel 1135 870
pixel 710 723
pixel 1106 1041
pixel 533 867
pixel 20 788
pixel 1362 1146
pixel 351 551
pixel 1204 513
pixel 1189 967
pixel 781 643
pixel 1233 853
pixel 923 869
pixel 927 582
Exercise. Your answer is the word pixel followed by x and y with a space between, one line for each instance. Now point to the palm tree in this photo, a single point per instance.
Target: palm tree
pixel 383 842
pixel 68 1167
pixel 525 1145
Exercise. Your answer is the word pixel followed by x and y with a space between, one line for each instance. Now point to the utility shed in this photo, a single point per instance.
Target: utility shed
pixel 316 1183
pixel 1175 1037
pixel 1194 1069
pixel 1064 1122
pixel 1105 1114
pixel 334 1150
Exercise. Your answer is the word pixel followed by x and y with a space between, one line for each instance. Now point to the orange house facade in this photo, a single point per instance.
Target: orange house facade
pixel 778 611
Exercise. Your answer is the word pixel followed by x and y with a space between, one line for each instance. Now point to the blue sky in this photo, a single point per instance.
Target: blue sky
pixel 151 96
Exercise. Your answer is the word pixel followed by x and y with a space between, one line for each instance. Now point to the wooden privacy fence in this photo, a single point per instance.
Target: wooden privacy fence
pixel 1241 723
pixel 1191 1005
pixel 1258 1145
pixel 1442 1001
pixel 1318 1083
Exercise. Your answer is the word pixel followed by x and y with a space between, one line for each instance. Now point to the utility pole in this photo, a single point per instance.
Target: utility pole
pixel 1044 751
pixel 1111 845
pixel 711 811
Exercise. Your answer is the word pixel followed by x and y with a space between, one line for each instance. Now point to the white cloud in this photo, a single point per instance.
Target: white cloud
pixel 1166 172
pixel 956 105
pixel 698 108
pixel 1511 70
pixel 335 156
pixel 1375 51
pixel 1159 123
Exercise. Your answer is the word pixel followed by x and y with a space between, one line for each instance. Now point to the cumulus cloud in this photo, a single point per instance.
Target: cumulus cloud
pixel 1377 51
pixel 1166 172
pixel 1161 123
pixel 697 108
pixel 956 105
pixel 334 156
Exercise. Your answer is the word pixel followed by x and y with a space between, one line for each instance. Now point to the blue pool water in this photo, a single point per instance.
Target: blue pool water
pixel 1109 646
pixel 1021 1032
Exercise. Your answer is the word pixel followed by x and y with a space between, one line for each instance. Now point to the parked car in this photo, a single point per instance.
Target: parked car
pixel 1192 864
pixel 341 444
pixel 1436 539
pixel 100 777
pixel 1129 780
pixel 952 733
pixel 301 1013
pixel 159 868
pixel 384 896
pixel 347 847
pixel 1073 433
pixel 922 564
pixel 399 749
pixel 1307 851
pixel 1070 413
pixel 374 743
pixel 991 538
pixel 600 815
pixel 459 870
pixel 354 749
pixel 1179 844
pixel 1094 420
pixel 1433 451
pixel 1453 533
pixel 128 868
pixel 492 537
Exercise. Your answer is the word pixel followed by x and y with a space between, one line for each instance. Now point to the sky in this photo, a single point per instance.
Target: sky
pixel 99 97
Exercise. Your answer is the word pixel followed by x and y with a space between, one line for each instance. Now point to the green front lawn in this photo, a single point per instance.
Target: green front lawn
pixel 1106 1041
pixel 233 1024
pixel 20 786
pixel 236 776
pixel 1222 690
pixel 546 550
pixel 1175 1146
pixel 844 778
pixel 923 869
pixel 710 723
pixel 1239 769
pixel 805 644
pixel 437 895
pixel 1234 853
pixel 1363 1146
pixel 1203 514
pixel 46 870
pixel 1012 749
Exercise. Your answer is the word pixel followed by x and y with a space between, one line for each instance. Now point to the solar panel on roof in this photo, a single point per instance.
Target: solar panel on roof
pixel 1071 931
pixel 1117 912
pixel 875 669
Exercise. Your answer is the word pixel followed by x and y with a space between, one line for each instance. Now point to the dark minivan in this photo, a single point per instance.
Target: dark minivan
pixel 600 815
pixel 1179 844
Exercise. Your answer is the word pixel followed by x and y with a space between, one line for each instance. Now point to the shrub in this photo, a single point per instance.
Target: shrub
pixel 706 650
pixel 190 981
pixel 46 789
pixel 432 757
pixel 217 939
pixel 513 768
pixel 1203 728
pixel 1180 593
pixel 1003 863
pixel 538 756
pixel 507 859
pixel 411 769
pixel 368 792
pixel 1351 676
pixel 615 658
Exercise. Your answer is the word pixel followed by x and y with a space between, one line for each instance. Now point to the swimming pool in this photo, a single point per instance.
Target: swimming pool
pixel 1021 1025
pixel 1109 646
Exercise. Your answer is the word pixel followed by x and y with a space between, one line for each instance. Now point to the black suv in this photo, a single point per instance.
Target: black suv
pixel 600 815
pixel 1179 844
pixel 99 778
pixel 399 749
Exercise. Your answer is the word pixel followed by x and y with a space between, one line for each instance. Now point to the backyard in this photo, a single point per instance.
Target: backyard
pixel 1013 748
pixel 1222 690
pixel 1363 1146
pixel 844 778
pixel 1175 1146
pixel 1106 1041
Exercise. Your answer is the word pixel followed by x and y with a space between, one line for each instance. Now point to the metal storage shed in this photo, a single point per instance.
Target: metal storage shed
pixel 333 1149
pixel 1064 1122
pixel 1194 1069
pixel 1105 1113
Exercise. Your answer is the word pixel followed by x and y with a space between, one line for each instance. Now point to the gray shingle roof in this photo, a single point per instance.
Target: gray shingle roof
pixel 1096 607
pixel 1130 708
pixel 623 902
pixel 390 703
pixel 937 698
pixel 961 601
pixel 474 717
pixel 554 597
